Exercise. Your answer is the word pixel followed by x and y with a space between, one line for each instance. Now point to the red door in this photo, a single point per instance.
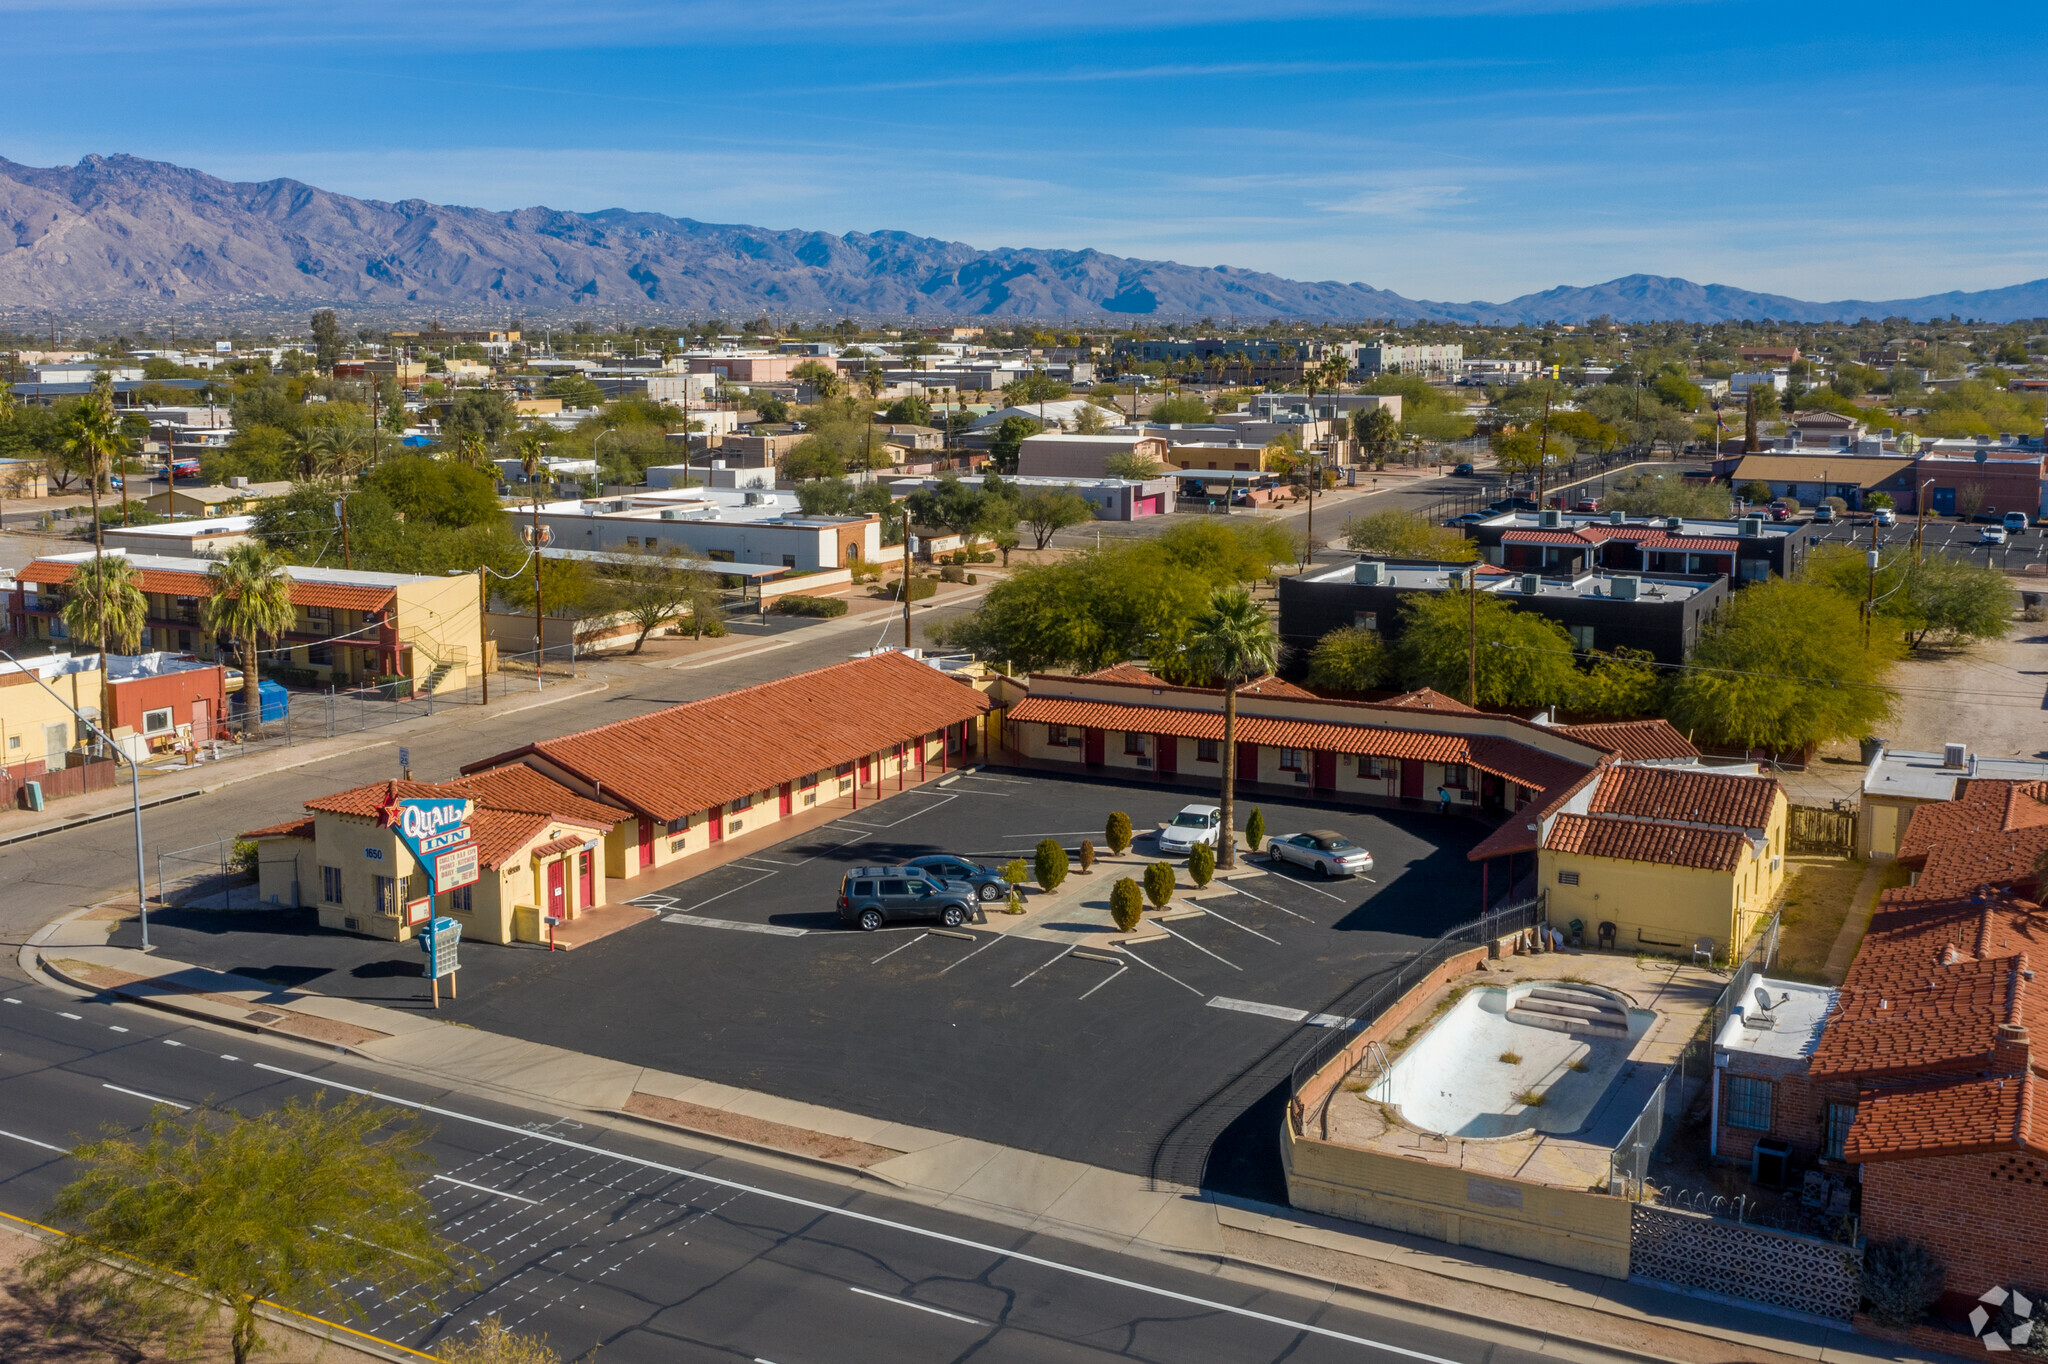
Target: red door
pixel 1169 753
pixel 586 881
pixel 557 907
pixel 863 772
pixel 1326 771
pixel 1247 762
pixel 1411 779
pixel 788 798
pixel 718 825
pixel 646 842
pixel 1091 746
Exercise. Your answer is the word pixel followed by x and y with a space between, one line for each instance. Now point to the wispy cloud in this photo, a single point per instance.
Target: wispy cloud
pixel 1403 201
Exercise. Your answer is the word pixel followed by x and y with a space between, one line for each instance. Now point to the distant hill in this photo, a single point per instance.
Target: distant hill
pixel 118 232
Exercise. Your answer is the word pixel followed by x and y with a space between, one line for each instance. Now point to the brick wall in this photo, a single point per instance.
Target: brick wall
pixel 1798 1107
pixel 1985 1216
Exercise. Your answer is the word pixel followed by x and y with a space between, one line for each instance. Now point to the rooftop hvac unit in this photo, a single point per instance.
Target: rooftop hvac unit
pixel 1616 517
pixel 1532 583
pixel 1750 527
pixel 1551 519
pixel 1369 573
pixel 1674 523
pixel 1955 755
pixel 1626 587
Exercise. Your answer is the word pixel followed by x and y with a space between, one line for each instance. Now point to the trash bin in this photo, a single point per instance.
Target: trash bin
pixel 1871 747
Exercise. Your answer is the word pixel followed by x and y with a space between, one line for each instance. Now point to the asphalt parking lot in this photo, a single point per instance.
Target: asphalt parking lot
pixel 1944 535
pixel 1169 1064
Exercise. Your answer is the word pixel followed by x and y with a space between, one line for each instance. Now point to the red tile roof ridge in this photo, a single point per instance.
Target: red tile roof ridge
pixel 302 827
pixel 1634 740
pixel 1686 794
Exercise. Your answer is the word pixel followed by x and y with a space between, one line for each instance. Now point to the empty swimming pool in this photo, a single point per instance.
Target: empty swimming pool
pixel 1508 1059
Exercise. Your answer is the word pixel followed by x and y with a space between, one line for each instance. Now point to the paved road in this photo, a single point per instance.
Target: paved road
pixel 606 1238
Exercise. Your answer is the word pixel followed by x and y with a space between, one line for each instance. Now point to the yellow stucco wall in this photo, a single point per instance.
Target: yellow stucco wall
pixel 26 712
pixel 441 618
pixel 1663 908
pixel 1568 1227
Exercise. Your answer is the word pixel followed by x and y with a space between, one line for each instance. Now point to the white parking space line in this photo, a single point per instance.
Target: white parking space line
pixel 1298 881
pixel 500 1193
pixel 1238 926
pixel 33 1142
pixel 918 813
pixel 899 947
pixel 993 940
pixel 136 1093
pixel 655 901
pixel 1168 974
pixel 723 893
pixel 1104 981
pixel 1041 966
pixel 775 930
pixel 1252 1006
pixel 1264 901
pixel 905 1302
pixel 1203 950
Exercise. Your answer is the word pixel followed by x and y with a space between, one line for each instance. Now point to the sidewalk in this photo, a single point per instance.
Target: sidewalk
pixel 1531 1306
pixel 160 788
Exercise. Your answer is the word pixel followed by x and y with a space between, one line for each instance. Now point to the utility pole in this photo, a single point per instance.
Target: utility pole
pixel 1870 586
pixel 483 628
pixel 905 585
pixel 1543 444
pixel 1472 637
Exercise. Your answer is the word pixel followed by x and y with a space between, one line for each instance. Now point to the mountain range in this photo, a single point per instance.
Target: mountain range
pixel 128 235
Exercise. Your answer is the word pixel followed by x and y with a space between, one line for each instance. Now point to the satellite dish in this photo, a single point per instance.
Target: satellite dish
pixel 1763 998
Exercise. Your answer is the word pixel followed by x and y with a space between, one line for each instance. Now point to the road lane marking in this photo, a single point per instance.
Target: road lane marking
pixel 517 1198
pixel 905 1302
pixel 13 1001
pixel 875 1220
pixel 1041 966
pixel 1104 981
pixel 1235 924
pixel 169 1043
pixel 899 947
pixel 115 1028
pixel 167 1103
pixel 73 1017
pixel 732 658
pixel 225 1057
pixel 33 1142
pixel 779 930
pixel 1199 948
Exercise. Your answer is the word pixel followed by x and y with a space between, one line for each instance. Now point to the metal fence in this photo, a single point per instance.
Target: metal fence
pixel 1628 1164
pixel 310 716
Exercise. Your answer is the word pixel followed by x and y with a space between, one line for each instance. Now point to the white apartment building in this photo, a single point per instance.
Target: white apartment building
pixel 1418 359
pixel 732 525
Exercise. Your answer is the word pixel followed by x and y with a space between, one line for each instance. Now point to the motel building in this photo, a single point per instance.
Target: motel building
pixel 657 797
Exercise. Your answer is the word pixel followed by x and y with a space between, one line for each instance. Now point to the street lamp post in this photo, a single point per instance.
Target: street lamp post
pixel 1920 520
pixel 134 788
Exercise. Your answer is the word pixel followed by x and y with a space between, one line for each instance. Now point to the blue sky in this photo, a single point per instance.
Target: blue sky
pixel 1453 150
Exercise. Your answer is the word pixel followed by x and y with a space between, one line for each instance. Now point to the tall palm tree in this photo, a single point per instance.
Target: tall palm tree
pixel 341 451
pixel 248 596
pixel 106 603
pixel 91 443
pixel 1233 642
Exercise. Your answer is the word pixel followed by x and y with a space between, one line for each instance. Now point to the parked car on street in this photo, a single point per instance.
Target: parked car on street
pixel 1780 510
pixel 1991 535
pixel 1887 517
pixel 1464 471
pixel 2015 523
pixel 1194 824
pixel 1823 515
pixel 987 882
pixel 872 896
pixel 1587 504
pixel 1323 852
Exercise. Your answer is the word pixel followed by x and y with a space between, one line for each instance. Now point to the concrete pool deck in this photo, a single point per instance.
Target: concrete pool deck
pixel 1444 1076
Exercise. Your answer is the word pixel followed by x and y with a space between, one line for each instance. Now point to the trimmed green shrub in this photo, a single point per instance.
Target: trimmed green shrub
pixel 1254 830
pixel 1050 864
pixel 1201 864
pixel 973 579
pixel 1902 1279
pixel 920 589
pixel 1016 871
pixel 953 573
pixel 1126 904
pixel 1016 902
pixel 798 605
pixel 1117 833
pixel 244 858
pixel 1159 884
pixel 1087 855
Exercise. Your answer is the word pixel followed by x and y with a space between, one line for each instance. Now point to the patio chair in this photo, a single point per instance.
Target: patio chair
pixel 1703 950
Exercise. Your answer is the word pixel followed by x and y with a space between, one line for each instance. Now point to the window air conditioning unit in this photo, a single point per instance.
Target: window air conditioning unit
pixel 1144 761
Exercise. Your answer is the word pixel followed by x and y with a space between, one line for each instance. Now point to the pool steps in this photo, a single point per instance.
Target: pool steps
pixel 1586 1013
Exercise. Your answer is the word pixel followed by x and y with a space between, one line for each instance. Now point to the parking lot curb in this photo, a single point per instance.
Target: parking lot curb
pixel 756 1148
pixel 1090 954
pixel 953 933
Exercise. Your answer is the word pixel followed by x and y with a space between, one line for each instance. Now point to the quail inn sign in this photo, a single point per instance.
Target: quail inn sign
pixel 436 831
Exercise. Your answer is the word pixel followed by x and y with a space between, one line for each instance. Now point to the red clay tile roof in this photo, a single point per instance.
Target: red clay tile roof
pixel 1428 698
pixel 1276 687
pixel 1697 544
pixel 515 786
pixel 1686 794
pixel 171 583
pixel 369 801
pixel 1634 740
pixel 501 834
pixel 1946 1018
pixel 291 828
pixel 1957 1117
pixel 688 758
pixel 1520 832
pixel 1577 539
pixel 1638 840
pixel 568 843
pixel 1125 672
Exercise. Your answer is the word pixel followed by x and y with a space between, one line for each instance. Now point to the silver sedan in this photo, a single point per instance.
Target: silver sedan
pixel 1323 852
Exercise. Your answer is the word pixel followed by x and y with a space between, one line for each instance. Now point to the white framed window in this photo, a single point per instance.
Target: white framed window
pixel 156 722
pixel 1135 743
pixel 1290 759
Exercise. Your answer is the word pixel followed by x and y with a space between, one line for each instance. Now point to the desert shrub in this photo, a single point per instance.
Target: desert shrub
pixel 1117 833
pixel 1087 855
pixel 1159 884
pixel 243 859
pixel 798 605
pixel 1901 1279
pixel 1017 871
pixel 953 573
pixel 1126 904
pixel 1050 864
pixel 920 589
pixel 1254 829
pixel 1201 864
